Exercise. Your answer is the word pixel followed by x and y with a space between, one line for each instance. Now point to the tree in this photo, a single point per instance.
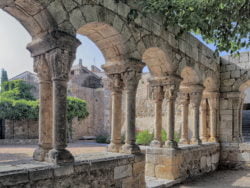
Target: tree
pixel 4 76
pixel 225 23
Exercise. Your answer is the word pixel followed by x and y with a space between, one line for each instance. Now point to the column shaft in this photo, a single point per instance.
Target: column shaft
pixel 184 127
pixel 115 144
pixel 203 113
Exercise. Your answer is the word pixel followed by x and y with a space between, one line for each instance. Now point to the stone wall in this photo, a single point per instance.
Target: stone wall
pixel 98 121
pixel 235 155
pixel 90 170
pixel 187 161
pixel 25 129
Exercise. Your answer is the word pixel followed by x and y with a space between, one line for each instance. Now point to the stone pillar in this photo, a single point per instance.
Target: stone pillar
pixel 116 123
pixel 60 62
pixel 171 88
pixel 59 50
pixel 203 113
pixel 45 108
pixel 195 100
pixel 184 127
pixel 131 77
pixel 158 99
pixel 213 101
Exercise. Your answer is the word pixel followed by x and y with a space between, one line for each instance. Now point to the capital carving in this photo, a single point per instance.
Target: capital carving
pixel 42 69
pixel 131 79
pixel 115 82
pixel 158 94
pixel 60 62
pixel 170 91
pixel 183 98
pixel 195 98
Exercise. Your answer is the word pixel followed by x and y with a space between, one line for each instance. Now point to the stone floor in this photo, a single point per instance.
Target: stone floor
pixel 11 154
pixel 219 179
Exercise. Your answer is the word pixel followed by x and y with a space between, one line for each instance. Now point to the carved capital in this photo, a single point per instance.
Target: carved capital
pixel 183 98
pixel 131 79
pixel 158 94
pixel 115 82
pixel 195 98
pixel 42 69
pixel 60 62
pixel 170 91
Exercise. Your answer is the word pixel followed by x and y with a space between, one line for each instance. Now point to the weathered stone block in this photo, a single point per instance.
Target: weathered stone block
pixel 122 171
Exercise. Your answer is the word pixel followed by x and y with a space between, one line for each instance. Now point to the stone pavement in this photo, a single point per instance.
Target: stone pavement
pixel 16 154
pixel 219 179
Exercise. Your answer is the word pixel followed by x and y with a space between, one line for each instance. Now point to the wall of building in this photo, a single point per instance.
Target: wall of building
pixel 25 129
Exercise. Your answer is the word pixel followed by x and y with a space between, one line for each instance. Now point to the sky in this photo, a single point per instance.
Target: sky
pixel 15 58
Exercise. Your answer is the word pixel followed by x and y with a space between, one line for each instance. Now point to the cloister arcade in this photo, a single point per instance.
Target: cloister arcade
pixel 182 70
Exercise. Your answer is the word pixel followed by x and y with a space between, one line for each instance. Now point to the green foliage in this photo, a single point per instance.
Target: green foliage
pixel 4 76
pixel 76 108
pixel 18 109
pixel 225 23
pixel 144 137
pixel 16 90
pixel 17 103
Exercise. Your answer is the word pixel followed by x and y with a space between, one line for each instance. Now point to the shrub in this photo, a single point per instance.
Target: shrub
pixel 164 136
pixel 144 137
pixel 103 139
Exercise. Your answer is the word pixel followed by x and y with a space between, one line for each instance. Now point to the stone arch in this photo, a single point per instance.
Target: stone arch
pixel 190 76
pixel 158 62
pixel 211 84
pixel 31 14
pixel 244 86
pixel 108 39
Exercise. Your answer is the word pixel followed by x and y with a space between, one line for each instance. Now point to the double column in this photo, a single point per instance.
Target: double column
pixel 158 96
pixel 171 87
pixel 54 52
pixel 131 77
pixel 195 100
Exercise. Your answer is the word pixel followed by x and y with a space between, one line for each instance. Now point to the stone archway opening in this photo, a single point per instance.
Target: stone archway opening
pixel 245 112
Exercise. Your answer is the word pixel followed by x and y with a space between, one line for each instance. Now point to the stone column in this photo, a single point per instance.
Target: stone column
pixel 184 128
pixel 171 88
pixel 45 108
pixel 158 99
pixel 195 100
pixel 60 62
pixel 116 123
pixel 131 78
pixel 59 50
pixel 213 101
pixel 203 113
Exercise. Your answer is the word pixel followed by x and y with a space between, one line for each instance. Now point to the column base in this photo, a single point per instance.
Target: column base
pixel 171 144
pixel 40 154
pixel 195 141
pixel 204 139
pixel 114 148
pixel 213 139
pixel 60 157
pixel 184 141
pixel 131 149
pixel 156 144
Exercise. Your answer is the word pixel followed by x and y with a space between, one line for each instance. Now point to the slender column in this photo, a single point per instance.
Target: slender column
pixel 60 62
pixel 131 78
pixel 158 98
pixel 171 88
pixel 184 127
pixel 195 99
pixel 203 113
pixel 45 108
pixel 116 123
pixel 213 105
